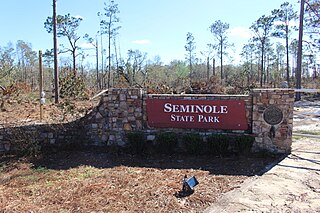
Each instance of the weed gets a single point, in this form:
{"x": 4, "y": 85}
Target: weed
{"x": 166, "y": 142}
{"x": 244, "y": 143}
{"x": 25, "y": 142}
{"x": 41, "y": 169}
{"x": 137, "y": 142}
{"x": 193, "y": 143}
{"x": 218, "y": 144}
{"x": 86, "y": 172}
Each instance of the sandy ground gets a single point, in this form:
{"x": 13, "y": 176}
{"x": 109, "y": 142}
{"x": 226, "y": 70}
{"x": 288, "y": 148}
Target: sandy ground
{"x": 306, "y": 116}
{"x": 293, "y": 185}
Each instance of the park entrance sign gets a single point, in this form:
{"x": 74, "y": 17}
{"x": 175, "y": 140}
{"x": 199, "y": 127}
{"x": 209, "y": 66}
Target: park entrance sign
{"x": 198, "y": 114}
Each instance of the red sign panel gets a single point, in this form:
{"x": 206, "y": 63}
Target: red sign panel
{"x": 197, "y": 114}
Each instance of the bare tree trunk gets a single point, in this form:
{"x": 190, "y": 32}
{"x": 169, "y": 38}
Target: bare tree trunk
{"x": 214, "y": 67}
{"x": 97, "y": 64}
{"x": 221, "y": 62}
{"x": 102, "y": 62}
{"x": 109, "y": 52}
{"x": 55, "y": 48}
{"x": 116, "y": 56}
{"x": 74, "y": 62}
{"x": 287, "y": 48}
{"x": 262, "y": 65}
{"x": 299, "y": 56}
{"x": 208, "y": 68}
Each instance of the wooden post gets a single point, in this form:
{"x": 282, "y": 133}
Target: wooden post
{"x": 214, "y": 67}
{"x": 40, "y": 84}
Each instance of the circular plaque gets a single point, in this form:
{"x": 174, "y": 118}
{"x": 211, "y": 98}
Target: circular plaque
{"x": 273, "y": 115}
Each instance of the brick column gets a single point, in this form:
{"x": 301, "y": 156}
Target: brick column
{"x": 275, "y": 138}
{"x": 125, "y": 113}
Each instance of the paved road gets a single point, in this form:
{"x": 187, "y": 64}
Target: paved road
{"x": 293, "y": 185}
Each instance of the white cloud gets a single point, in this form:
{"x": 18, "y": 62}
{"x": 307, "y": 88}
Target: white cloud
{"x": 78, "y": 16}
{"x": 142, "y": 42}
{"x": 242, "y": 32}
{"x": 86, "y": 46}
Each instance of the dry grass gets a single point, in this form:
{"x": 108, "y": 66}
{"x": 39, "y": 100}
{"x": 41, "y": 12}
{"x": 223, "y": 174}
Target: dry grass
{"x": 117, "y": 186}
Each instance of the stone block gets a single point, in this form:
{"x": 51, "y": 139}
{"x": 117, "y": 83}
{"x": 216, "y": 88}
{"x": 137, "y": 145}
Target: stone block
{"x": 151, "y": 137}
{"x": 271, "y": 101}
{"x": 139, "y": 125}
{"x": 104, "y": 138}
{"x": 98, "y": 116}
{"x": 43, "y": 135}
{"x": 256, "y": 128}
{"x": 289, "y": 100}
{"x": 127, "y": 127}
{"x": 112, "y": 137}
{"x": 258, "y": 140}
{"x": 131, "y": 118}
{"x": 7, "y": 146}
{"x": 123, "y": 97}
{"x": 50, "y": 135}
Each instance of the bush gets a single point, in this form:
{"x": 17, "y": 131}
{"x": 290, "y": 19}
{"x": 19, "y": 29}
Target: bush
{"x": 137, "y": 142}
{"x": 166, "y": 142}
{"x": 244, "y": 144}
{"x": 72, "y": 85}
{"x": 193, "y": 143}
{"x": 218, "y": 144}
{"x": 25, "y": 142}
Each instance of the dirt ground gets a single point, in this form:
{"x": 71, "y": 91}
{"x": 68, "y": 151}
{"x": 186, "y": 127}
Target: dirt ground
{"x": 293, "y": 185}
{"x": 86, "y": 181}
{"x": 26, "y": 110}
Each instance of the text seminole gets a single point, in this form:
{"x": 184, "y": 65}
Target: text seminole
{"x": 208, "y": 109}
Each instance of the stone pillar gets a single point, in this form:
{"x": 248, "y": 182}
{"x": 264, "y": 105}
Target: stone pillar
{"x": 125, "y": 113}
{"x": 272, "y": 119}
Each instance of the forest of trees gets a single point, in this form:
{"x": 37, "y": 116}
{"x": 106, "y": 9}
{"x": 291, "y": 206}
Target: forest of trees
{"x": 268, "y": 58}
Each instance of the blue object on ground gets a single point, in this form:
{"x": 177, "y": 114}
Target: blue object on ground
{"x": 192, "y": 182}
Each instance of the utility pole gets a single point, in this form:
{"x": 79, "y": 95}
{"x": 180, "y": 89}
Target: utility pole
{"x": 97, "y": 63}
{"x": 55, "y": 53}
{"x": 299, "y": 57}
{"x": 41, "y": 93}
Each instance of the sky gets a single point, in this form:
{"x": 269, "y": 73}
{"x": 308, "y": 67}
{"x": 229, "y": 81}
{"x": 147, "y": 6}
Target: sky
{"x": 158, "y": 27}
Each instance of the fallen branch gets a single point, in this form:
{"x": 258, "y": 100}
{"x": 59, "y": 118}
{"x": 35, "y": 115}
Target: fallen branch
{"x": 99, "y": 94}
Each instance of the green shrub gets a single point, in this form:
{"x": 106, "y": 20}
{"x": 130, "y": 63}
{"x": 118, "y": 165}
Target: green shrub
{"x": 166, "y": 142}
{"x": 244, "y": 143}
{"x": 193, "y": 143}
{"x": 137, "y": 142}
{"x": 25, "y": 142}
{"x": 72, "y": 85}
{"x": 217, "y": 144}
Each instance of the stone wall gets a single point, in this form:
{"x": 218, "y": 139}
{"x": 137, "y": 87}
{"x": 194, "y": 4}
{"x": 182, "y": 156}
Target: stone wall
{"x": 124, "y": 110}
{"x": 277, "y": 136}
{"x": 35, "y": 137}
